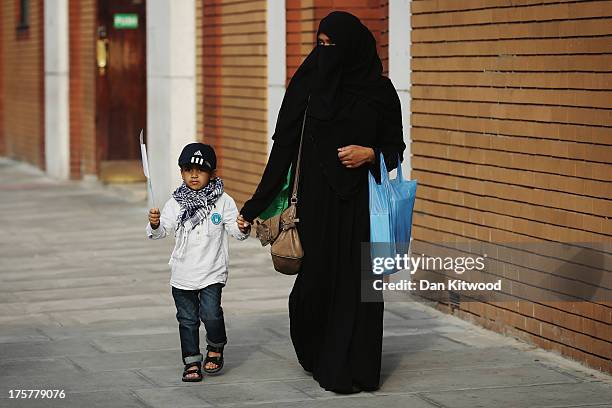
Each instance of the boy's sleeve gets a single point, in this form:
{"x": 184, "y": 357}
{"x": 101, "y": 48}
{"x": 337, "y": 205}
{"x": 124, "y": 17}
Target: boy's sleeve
{"x": 230, "y": 214}
{"x": 167, "y": 222}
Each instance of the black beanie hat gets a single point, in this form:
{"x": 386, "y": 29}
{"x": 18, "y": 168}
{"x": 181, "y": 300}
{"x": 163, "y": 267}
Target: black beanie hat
{"x": 200, "y": 154}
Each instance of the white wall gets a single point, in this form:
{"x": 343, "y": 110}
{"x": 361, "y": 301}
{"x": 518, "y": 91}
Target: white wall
{"x": 171, "y": 89}
{"x": 399, "y": 64}
{"x": 57, "y": 139}
{"x": 277, "y": 61}
{"x": 399, "y": 72}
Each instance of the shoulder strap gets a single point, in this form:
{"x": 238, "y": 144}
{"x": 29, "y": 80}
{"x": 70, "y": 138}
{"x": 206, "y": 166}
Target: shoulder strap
{"x": 296, "y": 178}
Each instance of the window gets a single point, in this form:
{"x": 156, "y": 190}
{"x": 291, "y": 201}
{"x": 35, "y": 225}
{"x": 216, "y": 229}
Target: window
{"x": 24, "y": 15}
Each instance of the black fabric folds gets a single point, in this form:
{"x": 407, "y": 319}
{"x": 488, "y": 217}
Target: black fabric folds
{"x": 351, "y": 66}
{"x": 335, "y": 335}
{"x": 344, "y": 82}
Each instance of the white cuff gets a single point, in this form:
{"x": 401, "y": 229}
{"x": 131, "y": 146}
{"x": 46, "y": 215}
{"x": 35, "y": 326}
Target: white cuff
{"x": 154, "y": 233}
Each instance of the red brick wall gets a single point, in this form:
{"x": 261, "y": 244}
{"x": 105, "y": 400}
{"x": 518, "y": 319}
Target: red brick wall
{"x": 82, "y": 37}
{"x": 23, "y": 84}
{"x": 2, "y": 59}
{"x": 303, "y": 18}
{"x": 200, "y": 69}
{"x": 512, "y": 142}
{"x": 235, "y": 90}
{"x": 383, "y": 36}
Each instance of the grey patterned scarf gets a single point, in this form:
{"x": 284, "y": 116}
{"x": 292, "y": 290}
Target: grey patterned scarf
{"x": 195, "y": 208}
{"x": 197, "y": 205}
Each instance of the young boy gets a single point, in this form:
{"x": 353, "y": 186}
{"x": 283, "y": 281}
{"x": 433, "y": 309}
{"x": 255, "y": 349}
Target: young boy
{"x": 201, "y": 215}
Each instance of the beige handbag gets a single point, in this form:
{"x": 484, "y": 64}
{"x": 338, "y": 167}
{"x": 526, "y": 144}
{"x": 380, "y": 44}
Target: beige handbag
{"x": 281, "y": 230}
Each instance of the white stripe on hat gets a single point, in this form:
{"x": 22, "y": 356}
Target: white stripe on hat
{"x": 193, "y": 159}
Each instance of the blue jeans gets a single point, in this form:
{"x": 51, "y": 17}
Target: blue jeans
{"x": 193, "y": 305}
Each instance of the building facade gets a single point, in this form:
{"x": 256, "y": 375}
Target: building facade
{"x": 506, "y": 116}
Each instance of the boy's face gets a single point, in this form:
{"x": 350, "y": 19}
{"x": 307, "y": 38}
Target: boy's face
{"x": 195, "y": 177}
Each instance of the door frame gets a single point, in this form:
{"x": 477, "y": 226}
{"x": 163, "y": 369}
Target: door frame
{"x": 103, "y": 82}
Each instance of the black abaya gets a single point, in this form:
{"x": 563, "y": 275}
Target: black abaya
{"x": 336, "y": 336}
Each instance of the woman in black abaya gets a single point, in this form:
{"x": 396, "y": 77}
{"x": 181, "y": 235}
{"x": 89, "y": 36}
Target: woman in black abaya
{"x": 353, "y": 116}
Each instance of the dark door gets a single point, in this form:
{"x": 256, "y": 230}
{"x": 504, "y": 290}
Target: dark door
{"x": 121, "y": 86}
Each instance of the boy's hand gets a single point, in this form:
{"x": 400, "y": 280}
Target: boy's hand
{"x": 154, "y": 215}
{"x": 243, "y": 225}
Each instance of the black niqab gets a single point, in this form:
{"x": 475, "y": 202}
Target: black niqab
{"x": 331, "y": 74}
{"x": 351, "y": 65}
{"x": 345, "y": 83}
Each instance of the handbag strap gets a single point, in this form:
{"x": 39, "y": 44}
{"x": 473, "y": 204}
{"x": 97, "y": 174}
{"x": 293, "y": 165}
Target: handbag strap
{"x": 296, "y": 178}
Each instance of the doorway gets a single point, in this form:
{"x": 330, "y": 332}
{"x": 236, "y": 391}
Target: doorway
{"x": 121, "y": 88}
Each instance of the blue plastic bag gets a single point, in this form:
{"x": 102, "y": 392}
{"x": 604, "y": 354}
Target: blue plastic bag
{"x": 402, "y": 206}
{"x": 380, "y": 207}
{"x": 382, "y": 238}
{"x": 391, "y": 207}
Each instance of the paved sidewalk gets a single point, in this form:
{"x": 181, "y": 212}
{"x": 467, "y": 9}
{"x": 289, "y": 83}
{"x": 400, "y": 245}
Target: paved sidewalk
{"x": 85, "y": 307}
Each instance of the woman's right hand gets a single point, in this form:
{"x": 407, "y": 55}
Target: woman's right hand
{"x": 154, "y": 216}
{"x": 353, "y": 156}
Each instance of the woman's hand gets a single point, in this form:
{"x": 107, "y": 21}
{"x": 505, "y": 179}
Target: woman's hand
{"x": 353, "y": 156}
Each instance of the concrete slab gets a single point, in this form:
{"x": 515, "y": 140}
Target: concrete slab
{"x": 99, "y": 399}
{"x": 42, "y": 349}
{"x": 170, "y": 340}
{"x": 361, "y": 401}
{"x": 27, "y": 368}
{"x": 22, "y": 334}
{"x": 92, "y": 314}
{"x": 69, "y": 304}
{"x": 242, "y": 394}
{"x": 248, "y": 371}
{"x": 110, "y": 329}
{"x": 415, "y": 342}
{"x": 171, "y": 358}
{"x": 170, "y": 397}
{"x": 452, "y": 359}
{"x": 463, "y": 378}
{"x": 77, "y": 317}
{"x": 556, "y": 395}
{"x": 73, "y": 381}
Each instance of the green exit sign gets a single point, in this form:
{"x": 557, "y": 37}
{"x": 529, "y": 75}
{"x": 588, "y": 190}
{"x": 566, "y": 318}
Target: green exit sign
{"x": 124, "y": 20}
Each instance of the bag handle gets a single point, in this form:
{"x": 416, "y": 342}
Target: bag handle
{"x": 296, "y": 177}
{"x": 384, "y": 174}
{"x": 400, "y": 173}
